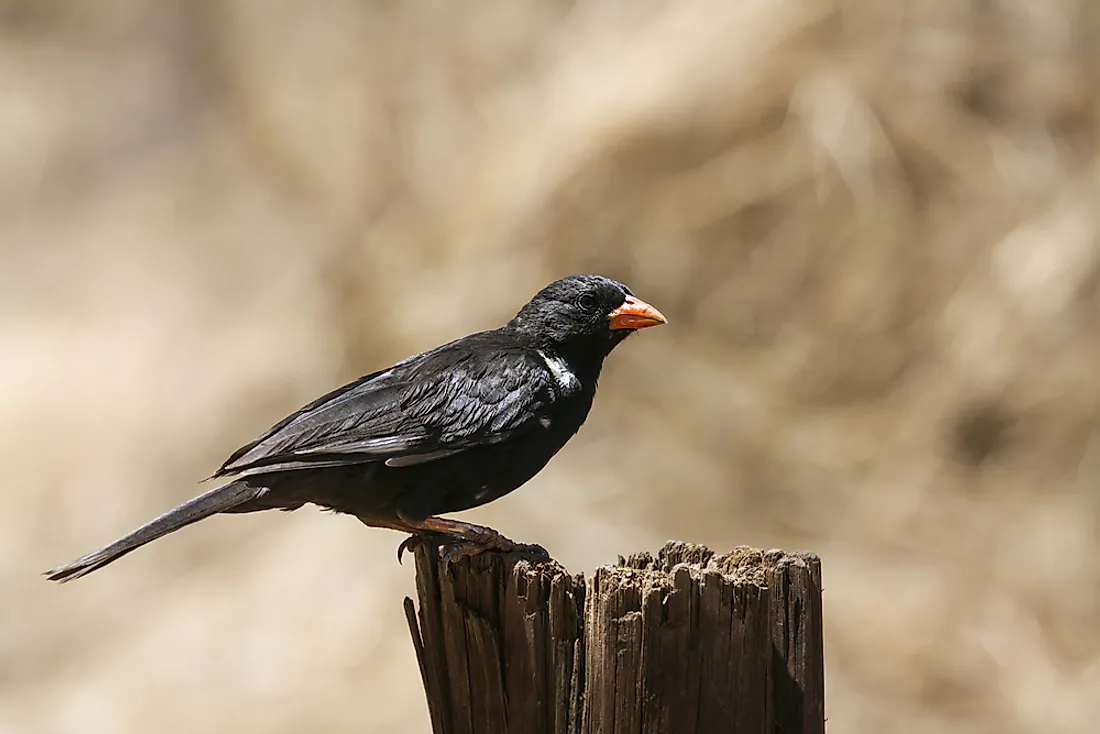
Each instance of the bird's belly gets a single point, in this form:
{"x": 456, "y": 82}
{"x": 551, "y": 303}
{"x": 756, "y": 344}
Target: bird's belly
{"x": 472, "y": 478}
{"x": 468, "y": 479}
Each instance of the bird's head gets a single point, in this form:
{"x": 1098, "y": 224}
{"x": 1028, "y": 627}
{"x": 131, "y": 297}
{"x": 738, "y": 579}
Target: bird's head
{"x": 583, "y": 316}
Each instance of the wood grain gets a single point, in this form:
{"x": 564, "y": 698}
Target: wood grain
{"x": 684, "y": 642}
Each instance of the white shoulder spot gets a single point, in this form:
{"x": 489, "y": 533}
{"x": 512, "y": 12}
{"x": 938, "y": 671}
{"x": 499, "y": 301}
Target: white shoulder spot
{"x": 563, "y": 376}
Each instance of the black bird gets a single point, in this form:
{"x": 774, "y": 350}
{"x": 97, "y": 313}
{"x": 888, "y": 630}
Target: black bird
{"x": 449, "y": 429}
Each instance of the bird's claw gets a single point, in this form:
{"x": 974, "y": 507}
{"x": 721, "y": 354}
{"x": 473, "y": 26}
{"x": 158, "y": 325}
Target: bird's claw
{"x": 408, "y": 544}
{"x": 412, "y": 542}
{"x": 532, "y": 551}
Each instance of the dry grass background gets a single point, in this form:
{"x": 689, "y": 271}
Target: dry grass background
{"x": 874, "y": 228}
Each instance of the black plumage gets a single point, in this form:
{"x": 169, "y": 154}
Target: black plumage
{"x": 446, "y": 430}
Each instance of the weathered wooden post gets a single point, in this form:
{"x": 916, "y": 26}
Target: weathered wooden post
{"x": 682, "y": 643}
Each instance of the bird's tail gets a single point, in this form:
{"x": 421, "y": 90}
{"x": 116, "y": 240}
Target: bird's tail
{"x": 221, "y": 499}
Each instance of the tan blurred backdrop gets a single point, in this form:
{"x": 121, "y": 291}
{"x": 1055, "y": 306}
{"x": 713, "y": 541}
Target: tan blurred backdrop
{"x": 873, "y": 226}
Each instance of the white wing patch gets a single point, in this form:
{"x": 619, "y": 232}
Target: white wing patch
{"x": 567, "y": 382}
{"x": 414, "y": 459}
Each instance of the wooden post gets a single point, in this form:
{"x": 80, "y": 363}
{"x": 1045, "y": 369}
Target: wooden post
{"x": 682, "y": 643}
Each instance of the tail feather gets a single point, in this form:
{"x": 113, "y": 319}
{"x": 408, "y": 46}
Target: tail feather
{"x": 221, "y": 499}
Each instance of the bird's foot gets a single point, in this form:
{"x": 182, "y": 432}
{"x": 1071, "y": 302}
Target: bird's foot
{"x": 486, "y": 539}
{"x": 454, "y": 547}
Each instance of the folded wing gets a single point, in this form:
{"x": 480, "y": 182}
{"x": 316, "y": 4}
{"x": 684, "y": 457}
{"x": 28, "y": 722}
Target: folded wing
{"x": 435, "y": 405}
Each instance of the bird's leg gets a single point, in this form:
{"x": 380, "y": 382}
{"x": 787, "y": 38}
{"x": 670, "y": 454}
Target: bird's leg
{"x": 457, "y": 539}
{"x": 460, "y": 539}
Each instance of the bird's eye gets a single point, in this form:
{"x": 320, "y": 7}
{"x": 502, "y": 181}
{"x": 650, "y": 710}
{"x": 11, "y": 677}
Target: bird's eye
{"x": 587, "y": 302}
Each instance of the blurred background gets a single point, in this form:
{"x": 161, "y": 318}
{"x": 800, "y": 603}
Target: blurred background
{"x": 874, "y": 228}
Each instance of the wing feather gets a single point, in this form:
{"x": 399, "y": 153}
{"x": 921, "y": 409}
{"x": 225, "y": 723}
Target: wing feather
{"x": 423, "y": 409}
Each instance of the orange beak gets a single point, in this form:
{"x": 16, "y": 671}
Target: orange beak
{"x": 635, "y": 314}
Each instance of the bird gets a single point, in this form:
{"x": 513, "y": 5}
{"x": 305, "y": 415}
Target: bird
{"x": 443, "y": 431}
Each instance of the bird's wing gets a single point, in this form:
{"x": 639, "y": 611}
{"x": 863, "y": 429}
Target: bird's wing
{"x": 459, "y": 396}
